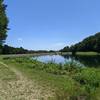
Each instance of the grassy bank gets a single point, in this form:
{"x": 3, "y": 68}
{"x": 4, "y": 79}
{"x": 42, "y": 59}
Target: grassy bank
{"x": 68, "y": 81}
{"x": 26, "y": 55}
{"x": 87, "y": 53}
{"x": 81, "y": 53}
{"x": 53, "y": 53}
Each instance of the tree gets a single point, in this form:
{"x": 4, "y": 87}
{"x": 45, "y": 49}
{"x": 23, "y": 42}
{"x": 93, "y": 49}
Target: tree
{"x": 73, "y": 49}
{"x": 65, "y": 49}
{"x": 3, "y": 22}
{"x": 91, "y": 43}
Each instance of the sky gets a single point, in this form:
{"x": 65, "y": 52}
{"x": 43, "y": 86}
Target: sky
{"x": 51, "y": 24}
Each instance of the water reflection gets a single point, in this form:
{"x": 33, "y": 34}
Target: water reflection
{"x": 89, "y": 61}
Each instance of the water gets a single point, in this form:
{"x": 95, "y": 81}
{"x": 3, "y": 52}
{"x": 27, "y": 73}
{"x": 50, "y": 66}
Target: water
{"x": 88, "y": 61}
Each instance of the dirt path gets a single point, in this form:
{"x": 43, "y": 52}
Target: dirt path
{"x": 22, "y": 88}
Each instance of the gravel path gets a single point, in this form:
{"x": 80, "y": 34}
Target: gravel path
{"x": 22, "y": 88}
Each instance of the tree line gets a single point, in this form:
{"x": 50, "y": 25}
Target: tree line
{"x": 12, "y": 50}
{"x": 91, "y": 43}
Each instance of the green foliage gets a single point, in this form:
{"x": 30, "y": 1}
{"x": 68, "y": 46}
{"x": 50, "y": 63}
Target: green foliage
{"x": 6, "y": 74}
{"x": 91, "y": 43}
{"x": 3, "y": 22}
{"x": 89, "y": 77}
{"x": 65, "y": 49}
{"x": 11, "y": 50}
{"x": 6, "y": 49}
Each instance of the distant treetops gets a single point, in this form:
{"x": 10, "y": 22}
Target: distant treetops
{"x": 3, "y": 22}
{"x": 91, "y": 43}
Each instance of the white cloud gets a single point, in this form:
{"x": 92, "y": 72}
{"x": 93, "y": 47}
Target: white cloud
{"x": 20, "y": 39}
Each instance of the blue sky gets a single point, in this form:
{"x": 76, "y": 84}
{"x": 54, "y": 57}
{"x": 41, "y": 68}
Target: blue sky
{"x": 51, "y": 24}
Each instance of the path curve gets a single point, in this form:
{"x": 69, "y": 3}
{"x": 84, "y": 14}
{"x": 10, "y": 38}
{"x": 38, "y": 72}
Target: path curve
{"x": 23, "y": 88}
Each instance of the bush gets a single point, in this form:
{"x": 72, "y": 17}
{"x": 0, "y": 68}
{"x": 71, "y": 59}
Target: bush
{"x": 89, "y": 76}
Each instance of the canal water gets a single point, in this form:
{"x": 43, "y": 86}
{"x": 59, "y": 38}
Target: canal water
{"x": 88, "y": 61}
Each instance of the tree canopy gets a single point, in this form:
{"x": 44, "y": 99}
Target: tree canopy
{"x": 3, "y": 22}
{"x": 91, "y": 43}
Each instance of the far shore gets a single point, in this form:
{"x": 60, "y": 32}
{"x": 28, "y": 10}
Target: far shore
{"x": 53, "y": 53}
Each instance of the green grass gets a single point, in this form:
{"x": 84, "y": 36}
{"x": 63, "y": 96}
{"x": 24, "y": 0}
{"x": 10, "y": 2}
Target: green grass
{"x": 89, "y": 78}
{"x": 81, "y": 53}
{"x": 6, "y": 74}
{"x": 68, "y": 81}
{"x": 87, "y": 53}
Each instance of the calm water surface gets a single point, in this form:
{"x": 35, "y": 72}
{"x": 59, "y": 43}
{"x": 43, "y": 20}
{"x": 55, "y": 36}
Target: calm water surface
{"x": 89, "y": 61}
